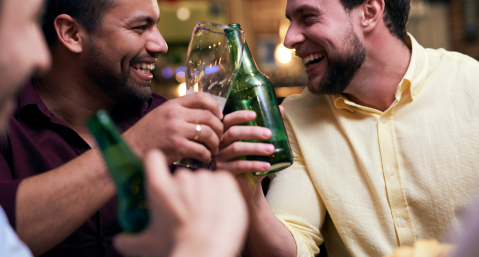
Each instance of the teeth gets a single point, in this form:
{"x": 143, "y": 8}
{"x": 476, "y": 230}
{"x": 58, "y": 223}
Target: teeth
{"x": 144, "y": 66}
{"x": 312, "y": 57}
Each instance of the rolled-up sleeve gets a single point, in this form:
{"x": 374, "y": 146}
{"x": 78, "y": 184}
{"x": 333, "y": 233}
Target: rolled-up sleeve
{"x": 8, "y": 187}
{"x": 297, "y": 204}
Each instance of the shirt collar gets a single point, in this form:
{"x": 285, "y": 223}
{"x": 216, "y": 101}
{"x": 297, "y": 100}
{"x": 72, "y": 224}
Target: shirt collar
{"x": 412, "y": 80}
{"x": 28, "y": 96}
{"x": 126, "y": 113}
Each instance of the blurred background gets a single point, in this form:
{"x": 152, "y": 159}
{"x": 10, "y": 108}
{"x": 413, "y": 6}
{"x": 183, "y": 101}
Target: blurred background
{"x": 449, "y": 24}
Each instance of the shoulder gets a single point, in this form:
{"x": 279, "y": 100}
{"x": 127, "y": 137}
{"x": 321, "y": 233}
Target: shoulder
{"x": 450, "y": 57}
{"x": 448, "y": 63}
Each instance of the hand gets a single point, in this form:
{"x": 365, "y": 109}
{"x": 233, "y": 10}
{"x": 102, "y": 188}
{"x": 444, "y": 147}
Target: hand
{"x": 196, "y": 214}
{"x": 171, "y": 128}
{"x": 231, "y": 148}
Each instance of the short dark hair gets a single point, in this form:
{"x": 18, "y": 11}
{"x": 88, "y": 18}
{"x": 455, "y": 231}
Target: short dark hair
{"x": 396, "y": 14}
{"x": 87, "y": 13}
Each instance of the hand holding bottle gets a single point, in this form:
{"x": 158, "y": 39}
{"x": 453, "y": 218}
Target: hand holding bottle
{"x": 192, "y": 214}
{"x": 171, "y": 128}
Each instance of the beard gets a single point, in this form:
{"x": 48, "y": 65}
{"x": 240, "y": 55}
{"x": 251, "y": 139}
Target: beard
{"x": 342, "y": 67}
{"x": 120, "y": 87}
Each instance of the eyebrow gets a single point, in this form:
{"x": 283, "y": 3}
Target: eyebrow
{"x": 143, "y": 18}
{"x": 303, "y": 8}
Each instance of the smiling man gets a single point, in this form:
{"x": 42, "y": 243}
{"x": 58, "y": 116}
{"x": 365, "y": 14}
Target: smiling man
{"x": 384, "y": 137}
{"x": 55, "y": 189}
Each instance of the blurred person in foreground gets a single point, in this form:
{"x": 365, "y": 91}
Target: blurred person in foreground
{"x": 184, "y": 207}
{"x": 384, "y": 137}
{"x": 55, "y": 188}
{"x": 23, "y": 52}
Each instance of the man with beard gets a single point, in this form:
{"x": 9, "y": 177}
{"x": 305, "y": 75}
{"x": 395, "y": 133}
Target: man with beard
{"x": 55, "y": 188}
{"x": 384, "y": 137}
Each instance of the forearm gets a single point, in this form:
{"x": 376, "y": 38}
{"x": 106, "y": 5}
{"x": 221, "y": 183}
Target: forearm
{"x": 52, "y": 205}
{"x": 267, "y": 236}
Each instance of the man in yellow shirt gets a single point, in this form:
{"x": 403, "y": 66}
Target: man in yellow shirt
{"x": 384, "y": 137}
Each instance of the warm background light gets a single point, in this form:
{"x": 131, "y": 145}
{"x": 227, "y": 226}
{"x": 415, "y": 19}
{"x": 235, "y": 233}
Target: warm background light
{"x": 182, "y": 89}
{"x": 282, "y": 54}
{"x": 183, "y": 14}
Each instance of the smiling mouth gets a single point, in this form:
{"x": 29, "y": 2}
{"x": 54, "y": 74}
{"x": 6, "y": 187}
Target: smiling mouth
{"x": 312, "y": 59}
{"x": 143, "y": 67}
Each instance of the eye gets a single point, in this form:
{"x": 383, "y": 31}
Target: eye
{"x": 140, "y": 27}
{"x": 309, "y": 18}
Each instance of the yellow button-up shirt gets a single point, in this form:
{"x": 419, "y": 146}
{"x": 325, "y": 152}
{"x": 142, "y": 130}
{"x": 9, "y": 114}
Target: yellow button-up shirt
{"x": 366, "y": 181}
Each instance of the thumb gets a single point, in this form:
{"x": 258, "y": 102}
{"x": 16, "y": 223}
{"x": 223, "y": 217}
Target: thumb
{"x": 157, "y": 174}
{"x": 130, "y": 245}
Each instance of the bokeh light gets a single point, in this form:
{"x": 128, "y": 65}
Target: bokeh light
{"x": 182, "y": 89}
{"x": 167, "y": 72}
{"x": 283, "y": 54}
{"x": 183, "y": 14}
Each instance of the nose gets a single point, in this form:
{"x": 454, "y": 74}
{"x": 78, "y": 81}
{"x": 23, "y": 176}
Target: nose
{"x": 41, "y": 59}
{"x": 156, "y": 44}
{"x": 293, "y": 36}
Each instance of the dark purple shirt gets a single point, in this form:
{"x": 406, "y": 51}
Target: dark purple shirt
{"x": 38, "y": 142}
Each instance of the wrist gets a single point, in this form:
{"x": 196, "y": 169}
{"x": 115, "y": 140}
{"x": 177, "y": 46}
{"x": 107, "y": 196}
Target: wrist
{"x": 203, "y": 245}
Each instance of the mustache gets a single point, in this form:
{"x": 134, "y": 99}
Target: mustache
{"x": 139, "y": 58}
{"x": 308, "y": 49}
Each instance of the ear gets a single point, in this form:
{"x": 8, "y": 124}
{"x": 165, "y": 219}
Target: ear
{"x": 69, "y": 32}
{"x": 373, "y": 14}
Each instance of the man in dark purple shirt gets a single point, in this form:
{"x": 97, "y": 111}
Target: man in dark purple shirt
{"x": 54, "y": 186}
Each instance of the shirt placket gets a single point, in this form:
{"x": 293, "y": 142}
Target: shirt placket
{"x": 392, "y": 177}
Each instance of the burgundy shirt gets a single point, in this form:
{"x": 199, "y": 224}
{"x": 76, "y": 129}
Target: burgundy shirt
{"x": 38, "y": 142}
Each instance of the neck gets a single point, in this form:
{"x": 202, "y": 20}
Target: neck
{"x": 375, "y": 83}
{"x": 70, "y": 96}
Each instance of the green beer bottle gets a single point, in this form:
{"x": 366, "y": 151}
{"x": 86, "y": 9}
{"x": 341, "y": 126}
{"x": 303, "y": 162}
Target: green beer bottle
{"x": 252, "y": 90}
{"x": 125, "y": 169}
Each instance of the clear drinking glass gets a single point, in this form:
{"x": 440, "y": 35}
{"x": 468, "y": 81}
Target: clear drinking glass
{"x": 213, "y": 60}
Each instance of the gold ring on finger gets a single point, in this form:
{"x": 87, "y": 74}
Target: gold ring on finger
{"x": 197, "y": 132}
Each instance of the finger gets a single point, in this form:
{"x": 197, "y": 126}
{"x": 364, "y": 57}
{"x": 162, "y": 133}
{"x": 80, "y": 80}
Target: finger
{"x": 206, "y": 118}
{"x": 238, "y": 149}
{"x": 238, "y": 117}
{"x": 201, "y": 100}
{"x": 281, "y": 109}
{"x": 158, "y": 177}
{"x": 187, "y": 183}
{"x": 129, "y": 245}
{"x": 236, "y": 133}
{"x": 194, "y": 150}
{"x": 207, "y": 137}
{"x": 157, "y": 172}
{"x": 243, "y": 166}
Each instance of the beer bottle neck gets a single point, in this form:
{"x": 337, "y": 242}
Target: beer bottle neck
{"x": 247, "y": 64}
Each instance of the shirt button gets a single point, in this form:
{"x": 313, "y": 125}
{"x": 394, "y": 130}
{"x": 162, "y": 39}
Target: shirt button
{"x": 103, "y": 238}
{"x": 384, "y": 120}
{"x": 403, "y": 223}
{"x": 392, "y": 171}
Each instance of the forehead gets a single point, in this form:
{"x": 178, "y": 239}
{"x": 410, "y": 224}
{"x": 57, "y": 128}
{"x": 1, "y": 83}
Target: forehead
{"x": 297, "y": 7}
{"x": 294, "y": 7}
{"x": 125, "y": 10}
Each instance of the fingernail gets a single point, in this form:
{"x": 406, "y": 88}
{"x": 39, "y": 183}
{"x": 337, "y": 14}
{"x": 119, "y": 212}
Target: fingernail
{"x": 268, "y": 148}
{"x": 250, "y": 115}
{"x": 266, "y": 166}
{"x": 266, "y": 133}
